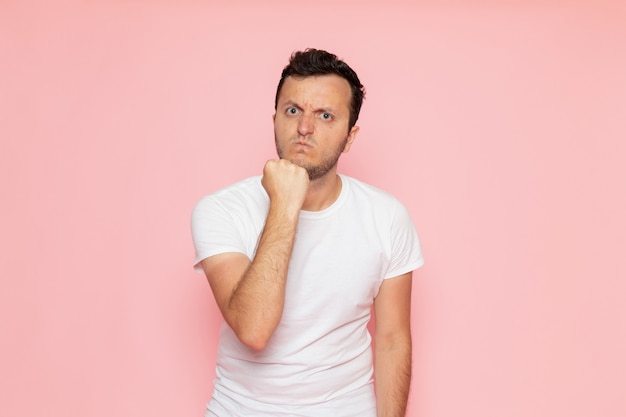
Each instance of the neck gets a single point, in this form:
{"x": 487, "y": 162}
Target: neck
{"x": 323, "y": 192}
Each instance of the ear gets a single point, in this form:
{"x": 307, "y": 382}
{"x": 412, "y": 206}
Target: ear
{"x": 351, "y": 137}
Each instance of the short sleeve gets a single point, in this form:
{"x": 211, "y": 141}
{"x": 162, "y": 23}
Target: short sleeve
{"x": 214, "y": 231}
{"x": 406, "y": 252}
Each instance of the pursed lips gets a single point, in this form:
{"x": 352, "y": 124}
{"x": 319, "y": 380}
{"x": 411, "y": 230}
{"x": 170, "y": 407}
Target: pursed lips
{"x": 304, "y": 143}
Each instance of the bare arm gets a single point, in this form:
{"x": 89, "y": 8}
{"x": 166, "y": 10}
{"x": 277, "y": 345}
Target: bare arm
{"x": 251, "y": 295}
{"x": 392, "y": 368}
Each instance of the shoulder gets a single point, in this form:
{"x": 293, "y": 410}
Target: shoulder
{"x": 247, "y": 188}
{"x": 243, "y": 193}
{"x": 376, "y": 204}
{"x": 368, "y": 193}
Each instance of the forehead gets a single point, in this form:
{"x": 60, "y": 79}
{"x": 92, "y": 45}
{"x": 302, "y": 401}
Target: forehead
{"x": 317, "y": 91}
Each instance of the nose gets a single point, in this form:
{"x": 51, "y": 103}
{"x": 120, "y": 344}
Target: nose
{"x": 306, "y": 125}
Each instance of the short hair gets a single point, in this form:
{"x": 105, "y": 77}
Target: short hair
{"x": 312, "y": 62}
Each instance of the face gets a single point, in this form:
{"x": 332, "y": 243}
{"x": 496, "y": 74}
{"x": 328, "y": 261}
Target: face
{"x": 311, "y": 123}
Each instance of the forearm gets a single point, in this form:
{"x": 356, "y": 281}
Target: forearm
{"x": 257, "y": 300}
{"x": 392, "y": 373}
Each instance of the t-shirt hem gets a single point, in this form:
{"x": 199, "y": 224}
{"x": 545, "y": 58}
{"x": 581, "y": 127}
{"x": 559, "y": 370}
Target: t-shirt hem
{"x": 201, "y": 257}
{"x": 410, "y": 267}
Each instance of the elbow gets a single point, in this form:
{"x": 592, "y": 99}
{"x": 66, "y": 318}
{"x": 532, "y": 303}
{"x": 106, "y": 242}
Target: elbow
{"x": 253, "y": 332}
{"x": 253, "y": 340}
{"x": 393, "y": 342}
{"x": 254, "y": 344}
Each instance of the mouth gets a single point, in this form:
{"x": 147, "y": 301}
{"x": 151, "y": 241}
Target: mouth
{"x": 301, "y": 146}
{"x": 304, "y": 142}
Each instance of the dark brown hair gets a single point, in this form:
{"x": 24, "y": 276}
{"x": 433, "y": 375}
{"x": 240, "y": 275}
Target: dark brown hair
{"x": 311, "y": 62}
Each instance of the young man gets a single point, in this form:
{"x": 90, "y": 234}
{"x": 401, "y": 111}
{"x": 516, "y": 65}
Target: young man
{"x": 296, "y": 258}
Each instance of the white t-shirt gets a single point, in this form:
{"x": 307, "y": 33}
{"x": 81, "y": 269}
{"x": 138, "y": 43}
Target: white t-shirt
{"x": 319, "y": 357}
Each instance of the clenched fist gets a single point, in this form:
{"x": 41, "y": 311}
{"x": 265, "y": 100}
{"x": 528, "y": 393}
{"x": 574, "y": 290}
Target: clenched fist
{"x": 286, "y": 184}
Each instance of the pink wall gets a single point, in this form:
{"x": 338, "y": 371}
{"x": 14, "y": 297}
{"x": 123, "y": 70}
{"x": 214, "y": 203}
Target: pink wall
{"x": 501, "y": 127}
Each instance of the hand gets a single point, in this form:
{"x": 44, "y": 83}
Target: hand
{"x": 286, "y": 183}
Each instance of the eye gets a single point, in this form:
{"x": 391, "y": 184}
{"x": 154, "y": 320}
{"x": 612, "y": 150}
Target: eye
{"x": 327, "y": 116}
{"x": 292, "y": 110}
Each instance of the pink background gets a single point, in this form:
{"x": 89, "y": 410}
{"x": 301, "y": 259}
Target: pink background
{"x": 501, "y": 126}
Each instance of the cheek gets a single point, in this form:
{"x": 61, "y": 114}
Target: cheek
{"x": 280, "y": 132}
{"x": 282, "y": 124}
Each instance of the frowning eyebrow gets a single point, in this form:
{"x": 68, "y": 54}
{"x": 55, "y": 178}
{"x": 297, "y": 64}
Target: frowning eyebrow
{"x": 291, "y": 103}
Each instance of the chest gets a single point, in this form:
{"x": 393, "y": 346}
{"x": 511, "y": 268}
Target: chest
{"x": 336, "y": 262}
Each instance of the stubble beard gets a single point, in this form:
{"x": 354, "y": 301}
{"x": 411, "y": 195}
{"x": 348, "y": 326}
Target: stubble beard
{"x": 321, "y": 169}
